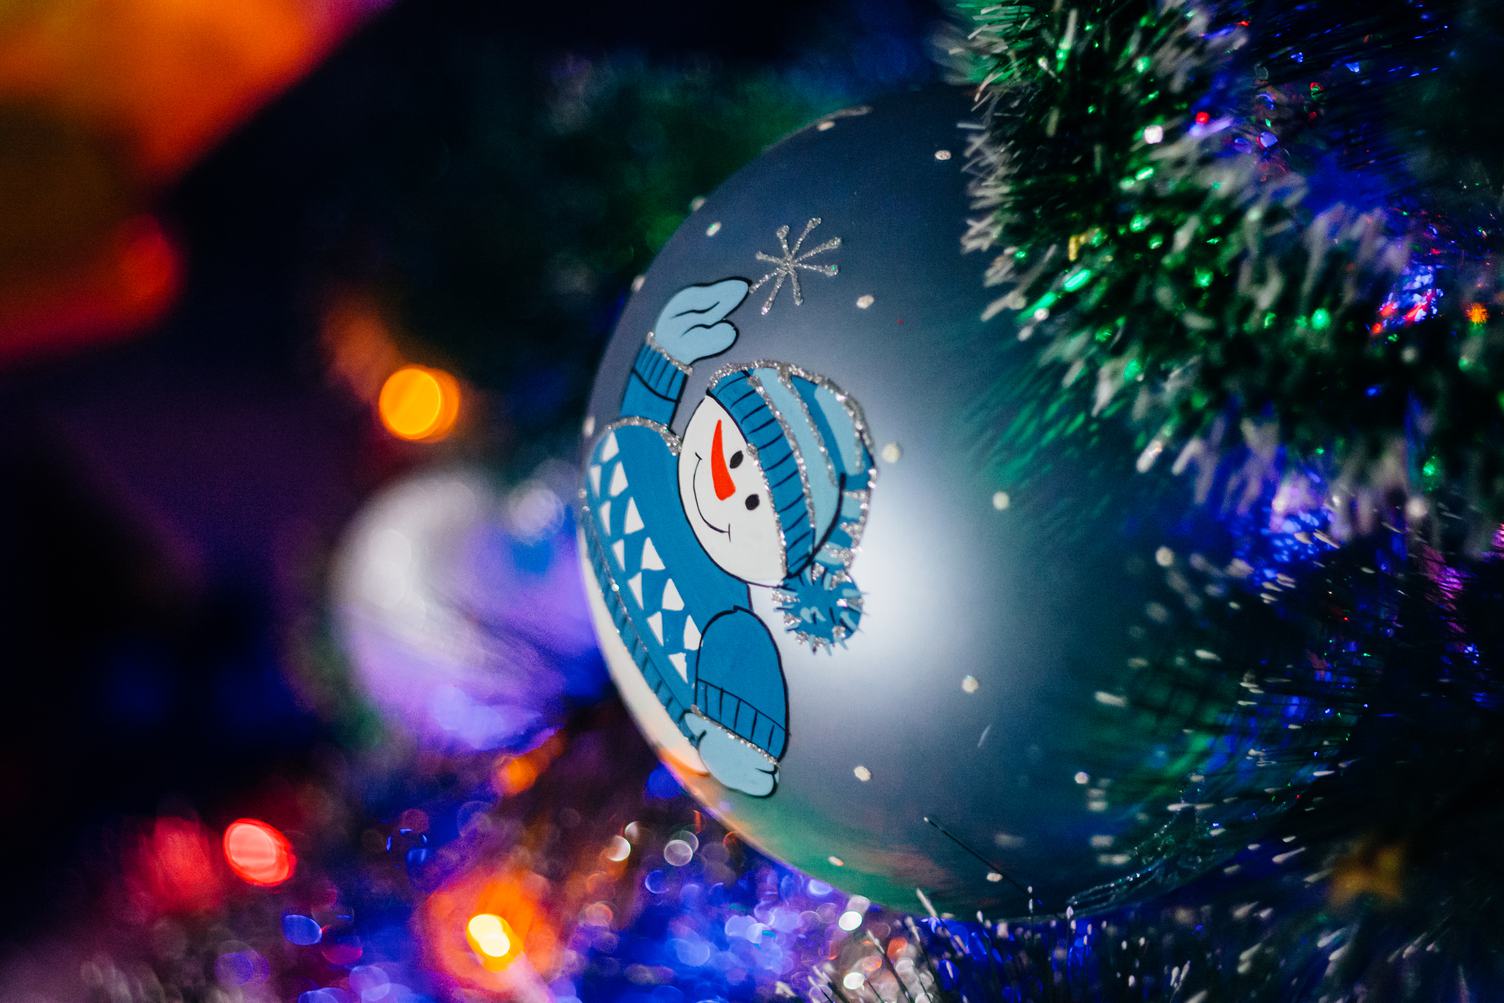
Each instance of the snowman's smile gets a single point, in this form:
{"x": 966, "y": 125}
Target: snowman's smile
{"x": 695, "y": 491}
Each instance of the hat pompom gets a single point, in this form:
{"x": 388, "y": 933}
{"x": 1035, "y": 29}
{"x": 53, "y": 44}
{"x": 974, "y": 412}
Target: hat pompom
{"x": 821, "y": 607}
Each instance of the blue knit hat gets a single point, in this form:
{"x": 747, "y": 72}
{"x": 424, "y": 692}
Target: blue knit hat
{"x": 811, "y": 442}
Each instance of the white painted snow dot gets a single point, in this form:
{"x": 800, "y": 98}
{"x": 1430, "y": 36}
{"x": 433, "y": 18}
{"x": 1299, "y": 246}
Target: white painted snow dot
{"x": 1001, "y": 501}
{"x": 892, "y": 452}
{"x": 970, "y": 684}
{"x": 862, "y": 773}
{"x": 864, "y": 301}
{"x": 713, "y": 229}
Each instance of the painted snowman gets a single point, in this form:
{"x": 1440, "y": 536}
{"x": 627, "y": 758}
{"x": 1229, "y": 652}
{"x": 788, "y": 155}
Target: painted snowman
{"x": 768, "y": 487}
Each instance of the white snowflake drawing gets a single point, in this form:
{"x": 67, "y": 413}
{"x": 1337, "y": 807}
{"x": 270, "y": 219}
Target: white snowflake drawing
{"x": 794, "y": 260}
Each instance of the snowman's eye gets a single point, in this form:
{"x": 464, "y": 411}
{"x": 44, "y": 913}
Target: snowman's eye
{"x": 736, "y": 460}
{"x": 752, "y": 500}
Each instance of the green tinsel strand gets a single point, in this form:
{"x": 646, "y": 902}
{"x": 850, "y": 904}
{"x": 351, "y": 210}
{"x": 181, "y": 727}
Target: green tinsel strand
{"x": 1199, "y": 293}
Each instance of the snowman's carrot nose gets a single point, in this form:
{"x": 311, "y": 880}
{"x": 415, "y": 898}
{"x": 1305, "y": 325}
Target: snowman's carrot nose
{"x": 720, "y": 474}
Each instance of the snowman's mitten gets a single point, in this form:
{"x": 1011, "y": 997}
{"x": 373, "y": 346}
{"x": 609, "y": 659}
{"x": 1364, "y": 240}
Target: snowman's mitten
{"x": 693, "y": 326}
{"x": 733, "y": 761}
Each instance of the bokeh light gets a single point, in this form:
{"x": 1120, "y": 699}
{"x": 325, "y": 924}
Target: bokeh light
{"x": 492, "y": 939}
{"x": 489, "y": 930}
{"x": 515, "y": 774}
{"x": 458, "y": 603}
{"x": 418, "y": 403}
{"x": 258, "y": 853}
{"x": 173, "y": 869}
{"x": 126, "y": 280}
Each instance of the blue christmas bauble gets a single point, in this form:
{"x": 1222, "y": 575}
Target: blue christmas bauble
{"x": 885, "y": 594}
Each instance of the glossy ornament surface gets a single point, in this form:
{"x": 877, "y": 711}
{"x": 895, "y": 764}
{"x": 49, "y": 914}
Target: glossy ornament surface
{"x": 885, "y": 595}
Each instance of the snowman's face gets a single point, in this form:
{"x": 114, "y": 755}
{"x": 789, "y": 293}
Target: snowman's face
{"x": 725, "y": 498}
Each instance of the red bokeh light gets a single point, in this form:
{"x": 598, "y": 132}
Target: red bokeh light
{"x": 258, "y": 853}
{"x": 125, "y": 281}
{"x": 173, "y": 869}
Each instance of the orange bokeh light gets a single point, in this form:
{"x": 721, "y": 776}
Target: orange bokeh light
{"x": 117, "y": 98}
{"x": 258, "y": 853}
{"x": 489, "y": 930}
{"x": 359, "y": 343}
{"x": 419, "y": 403}
{"x": 164, "y": 77}
{"x": 515, "y": 774}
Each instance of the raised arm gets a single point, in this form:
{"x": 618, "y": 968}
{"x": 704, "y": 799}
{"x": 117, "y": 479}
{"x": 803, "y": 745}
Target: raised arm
{"x": 693, "y": 326}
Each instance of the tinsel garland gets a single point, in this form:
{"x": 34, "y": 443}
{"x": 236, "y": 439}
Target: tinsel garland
{"x": 1224, "y": 218}
{"x": 1265, "y": 236}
